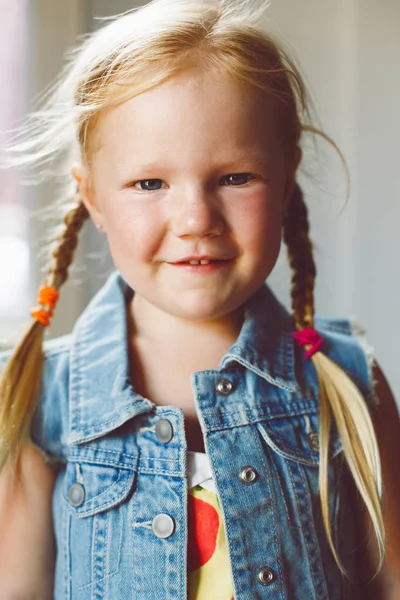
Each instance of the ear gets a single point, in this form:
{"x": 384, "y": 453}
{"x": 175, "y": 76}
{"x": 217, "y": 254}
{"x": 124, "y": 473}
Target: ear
{"x": 293, "y": 165}
{"x": 82, "y": 177}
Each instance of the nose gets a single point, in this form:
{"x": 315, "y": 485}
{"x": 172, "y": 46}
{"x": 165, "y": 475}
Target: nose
{"x": 196, "y": 214}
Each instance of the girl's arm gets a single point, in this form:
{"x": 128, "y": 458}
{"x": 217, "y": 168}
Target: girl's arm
{"x": 27, "y": 548}
{"x": 387, "y": 426}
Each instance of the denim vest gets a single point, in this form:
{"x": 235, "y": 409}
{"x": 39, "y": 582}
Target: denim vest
{"x": 120, "y": 499}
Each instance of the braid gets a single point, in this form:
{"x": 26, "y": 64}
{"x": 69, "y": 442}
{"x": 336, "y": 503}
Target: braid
{"x": 295, "y": 235}
{"x": 66, "y": 243}
{"x": 20, "y": 381}
{"x": 339, "y": 397}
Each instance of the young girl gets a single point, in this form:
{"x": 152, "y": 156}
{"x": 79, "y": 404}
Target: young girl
{"x": 195, "y": 439}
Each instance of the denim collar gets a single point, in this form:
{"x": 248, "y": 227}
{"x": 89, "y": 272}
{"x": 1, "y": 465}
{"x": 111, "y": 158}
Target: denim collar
{"x": 101, "y": 394}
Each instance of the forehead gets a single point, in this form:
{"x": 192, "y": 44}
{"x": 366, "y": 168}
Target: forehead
{"x": 191, "y": 112}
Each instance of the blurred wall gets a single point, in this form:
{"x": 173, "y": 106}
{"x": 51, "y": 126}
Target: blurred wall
{"x": 14, "y": 220}
{"x": 349, "y": 51}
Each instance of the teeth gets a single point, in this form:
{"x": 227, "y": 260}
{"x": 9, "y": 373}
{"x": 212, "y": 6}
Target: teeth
{"x": 199, "y": 262}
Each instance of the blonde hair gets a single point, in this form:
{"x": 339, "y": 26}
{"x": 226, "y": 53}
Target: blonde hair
{"x": 133, "y": 54}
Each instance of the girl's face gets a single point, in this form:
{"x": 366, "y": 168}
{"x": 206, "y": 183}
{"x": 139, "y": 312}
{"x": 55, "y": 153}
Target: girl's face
{"x": 192, "y": 170}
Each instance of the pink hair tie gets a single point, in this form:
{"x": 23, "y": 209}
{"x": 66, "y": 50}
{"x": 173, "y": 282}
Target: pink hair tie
{"x": 309, "y": 337}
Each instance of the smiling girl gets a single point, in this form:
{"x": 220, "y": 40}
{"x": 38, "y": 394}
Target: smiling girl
{"x": 195, "y": 438}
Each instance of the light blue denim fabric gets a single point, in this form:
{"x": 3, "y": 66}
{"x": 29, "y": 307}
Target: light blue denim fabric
{"x": 103, "y": 436}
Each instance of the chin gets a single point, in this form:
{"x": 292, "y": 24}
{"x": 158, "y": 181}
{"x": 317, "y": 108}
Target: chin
{"x": 201, "y": 308}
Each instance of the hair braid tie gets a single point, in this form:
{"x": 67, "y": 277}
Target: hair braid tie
{"x": 310, "y": 338}
{"x": 46, "y": 303}
{"x": 62, "y": 256}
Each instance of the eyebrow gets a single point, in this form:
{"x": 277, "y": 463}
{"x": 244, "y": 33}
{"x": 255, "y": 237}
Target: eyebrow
{"x": 220, "y": 164}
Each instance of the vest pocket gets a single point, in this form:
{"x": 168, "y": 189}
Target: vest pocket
{"x": 297, "y": 437}
{"x": 96, "y": 483}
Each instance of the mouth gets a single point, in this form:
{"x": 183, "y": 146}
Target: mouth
{"x": 199, "y": 260}
{"x": 201, "y": 264}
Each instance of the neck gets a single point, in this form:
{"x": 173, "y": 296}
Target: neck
{"x": 153, "y": 325}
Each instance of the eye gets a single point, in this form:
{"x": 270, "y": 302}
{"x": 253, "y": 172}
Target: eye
{"x": 148, "y": 185}
{"x": 237, "y": 179}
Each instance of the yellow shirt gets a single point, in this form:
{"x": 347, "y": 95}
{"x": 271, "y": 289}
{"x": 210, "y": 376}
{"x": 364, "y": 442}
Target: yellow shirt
{"x": 208, "y": 561}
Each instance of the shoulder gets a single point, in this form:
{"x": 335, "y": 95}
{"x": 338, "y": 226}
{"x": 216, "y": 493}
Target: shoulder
{"x": 50, "y": 418}
{"x": 50, "y": 422}
{"x": 56, "y": 367}
{"x": 56, "y": 354}
{"x": 56, "y": 346}
{"x": 51, "y": 348}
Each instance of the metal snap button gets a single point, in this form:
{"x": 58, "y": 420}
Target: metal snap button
{"x": 164, "y": 431}
{"x": 313, "y": 441}
{"x": 248, "y": 475}
{"x": 76, "y": 494}
{"x": 224, "y": 387}
{"x": 163, "y": 526}
{"x": 265, "y": 576}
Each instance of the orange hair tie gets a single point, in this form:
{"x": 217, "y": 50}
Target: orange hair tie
{"x": 47, "y": 301}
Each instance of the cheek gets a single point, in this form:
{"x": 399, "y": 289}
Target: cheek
{"x": 259, "y": 230}
{"x": 134, "y": 235}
